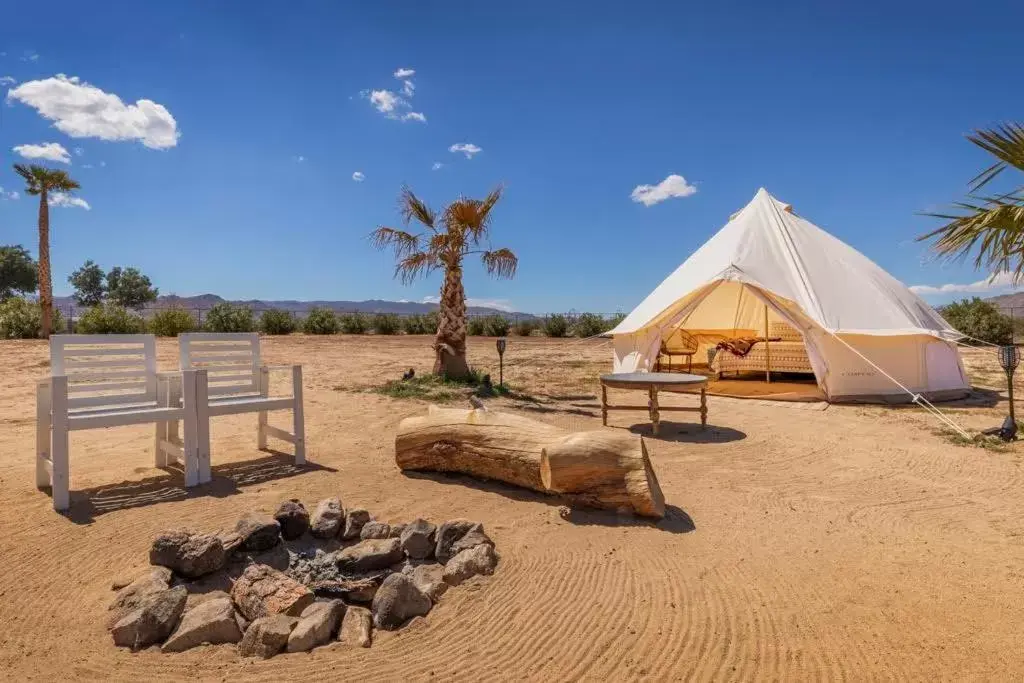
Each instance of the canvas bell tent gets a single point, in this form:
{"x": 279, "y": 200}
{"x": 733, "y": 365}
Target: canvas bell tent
{"x": 866, "y": 336}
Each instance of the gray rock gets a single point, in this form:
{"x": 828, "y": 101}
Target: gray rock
{"x": 267, "y": 636}
{"x": 429, "y": 578}
{"x": 317, "y": 625}
{"x": 328, "y": 518}
{"x": 356, "y": 627}
{"x": 212, "y": 621}
{"x": 258, "y": 532}
{"x": 369, "y": 555}
{"x": 471, "y": 539}
{"x": 188, "y": 553}
{"x": 480, "y": 559}
{"x": 293, "y": 518}
{"x": 262, "y": 591}
{"x": 154, "y": 580}
{"x": 398, "y": 600}
{"x": 375, "y": 530}
{"x": 152, "y": 621}
{"x": 419, "y": 539}
{"x": 396, "y": 530}
{"x": 354, "y": 521}
{"x": 447, "y": 535}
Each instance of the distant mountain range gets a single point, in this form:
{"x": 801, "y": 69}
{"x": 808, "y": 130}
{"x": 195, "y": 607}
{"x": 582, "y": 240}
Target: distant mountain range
{"x": 207, "y": 301}
{"x": 1005, "y": 301}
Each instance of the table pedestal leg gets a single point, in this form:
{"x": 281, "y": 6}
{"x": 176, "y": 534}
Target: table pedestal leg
{"x": 703, "y": 408}
{"x": 653, "y": 406}
{"x": 604, "y": 405}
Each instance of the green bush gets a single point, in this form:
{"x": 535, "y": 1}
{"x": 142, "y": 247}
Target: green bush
{"x": 496, "y": 326}
{"x": 354, "y": 323}
{"x": 556, "y": 325}
{"x": 589, "y": 325}
{"x": 110, "y": 319}
{"x": 172, "y": 322}
{"x": 475, "y": 327}
{"x": 387, "y": 323}
{"x": 414, "y": 324}
{"x": 276, "y": 321}
{"x": 979, "y": 319}
{"x": 524, "y": 327}
{"x": 22, "y": 319}
{"x": 321, "y": 321}
{"x": 225, "y": 317}
{"x": 614, "y": 321}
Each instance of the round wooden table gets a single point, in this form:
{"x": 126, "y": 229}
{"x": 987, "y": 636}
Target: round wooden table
{"x": 653, "y": 382}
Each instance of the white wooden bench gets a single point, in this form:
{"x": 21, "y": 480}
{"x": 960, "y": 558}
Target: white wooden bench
{"x": 235, "y": 382}
{"x": 110, "y": 381}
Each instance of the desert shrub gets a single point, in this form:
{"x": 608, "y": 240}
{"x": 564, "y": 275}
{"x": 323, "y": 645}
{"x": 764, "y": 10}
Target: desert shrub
{"x": 524, "y": 327}
{"x": 387, "y": 323}
{"x": 354, "y": 323}
{"x": 496, "y": 326}
{"x": 432, "y": 320}
{"x": 110, "y": 319}
{"x": 416, "y": 324}
{"x": 225, "y": 317}
{"x": 22, "y": 319}
{"x": 276, "y": 321}
{"x": 556, "y": 325}
{"x": 475, "y": 327}
{"x": 589, "y": 325}
{"x": 979, "y": 319}
{"x": 321, "y": 321}
{"x": 172, "y": 322}
{"x": 614, "y": 320}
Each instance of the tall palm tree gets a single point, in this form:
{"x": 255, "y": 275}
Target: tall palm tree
{"x": 991, "y": 224}
{"x": 41, "y": 181}
{"x": 460, "y": 230}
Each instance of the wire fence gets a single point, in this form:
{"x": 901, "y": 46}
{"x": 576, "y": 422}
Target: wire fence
{"x": 1016, "y": 316}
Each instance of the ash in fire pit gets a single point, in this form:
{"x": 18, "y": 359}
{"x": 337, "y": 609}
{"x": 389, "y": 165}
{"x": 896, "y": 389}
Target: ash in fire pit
{"x": 340, "y": 575}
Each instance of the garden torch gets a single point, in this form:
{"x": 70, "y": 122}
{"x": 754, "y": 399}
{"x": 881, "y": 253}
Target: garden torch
{"x": 1009, "y": 358}
{"x": 501, "y": 360}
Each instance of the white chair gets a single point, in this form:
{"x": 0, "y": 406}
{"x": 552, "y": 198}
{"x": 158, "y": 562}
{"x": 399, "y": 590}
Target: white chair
{"x": 110, "y": 381}
{"x": 235, "y": 382}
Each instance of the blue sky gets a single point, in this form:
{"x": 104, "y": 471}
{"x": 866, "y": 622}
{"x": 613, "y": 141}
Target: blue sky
{"x": 242, "y": 184}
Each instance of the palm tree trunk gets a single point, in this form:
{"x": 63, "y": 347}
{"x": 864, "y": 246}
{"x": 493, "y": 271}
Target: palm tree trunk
{"x": 450, "y": 342}
{"x": 45, "y": 282}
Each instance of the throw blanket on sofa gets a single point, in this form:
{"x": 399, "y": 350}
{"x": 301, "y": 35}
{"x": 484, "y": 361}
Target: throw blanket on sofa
{"x": 742, "y": 345}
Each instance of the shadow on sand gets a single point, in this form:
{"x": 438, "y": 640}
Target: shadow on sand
{"x": 686, "y": 432}
{"x": 228, "y": 479}
{"x": 676, "y": 520}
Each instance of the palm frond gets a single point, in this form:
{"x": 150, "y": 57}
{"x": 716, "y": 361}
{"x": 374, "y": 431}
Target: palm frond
{"x": 415, "y": 265}
{"x": 1005, "y": 143}
{"x": 471, "y": 216}
{"x": 412, "y": 207}
{"x": 991, "y": 227}
{"x": 40, "y": 178}
{"x": 403, "y": 243}
{"x": 447, "y": 245}
{"x": 500, "y": 262}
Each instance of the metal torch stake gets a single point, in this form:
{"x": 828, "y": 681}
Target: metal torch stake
{"x": 1009, "y": 385}
{"x": 501, "y": 361}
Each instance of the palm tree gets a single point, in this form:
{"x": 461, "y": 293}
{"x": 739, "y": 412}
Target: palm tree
{"x": 992, "y": 224}
{"x": 41, "y": 181}
{"x": 459, "y": 231}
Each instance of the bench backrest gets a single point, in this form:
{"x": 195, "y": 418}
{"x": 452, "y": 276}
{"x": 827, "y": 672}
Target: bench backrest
{"x": 105, "y": 369}
{"x": 231, "y": 360}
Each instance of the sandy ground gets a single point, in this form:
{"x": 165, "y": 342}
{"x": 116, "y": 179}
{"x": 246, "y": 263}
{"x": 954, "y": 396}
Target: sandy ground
{"x": 853, "y": 543}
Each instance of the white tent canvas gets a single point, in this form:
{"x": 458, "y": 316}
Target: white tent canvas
{"x": 859, "y": 324}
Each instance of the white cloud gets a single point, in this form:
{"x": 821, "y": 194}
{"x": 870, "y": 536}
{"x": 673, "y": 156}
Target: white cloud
{"x": 5, "y": 195}
{"x": 66, "y": 200}
{"x": 499, "y": 304}
{"x": 996, "y": 282}
{"x": 86, "y": 165}
{"x": 437, "y": 166}
{"x": 358, "y": 176}
{"x": 414, "y": 116}
{"x": 297, "y": 159}
{"x": 672, "y": 186}
{"x": 52, "y": 151}
{"x": 30, "y": 56}
{"x": 403, "y": 73}
{"x": 7, "y": 80}
{"x": 79, "y": 151}
{"x": 82, "y": 110}
{"x": 467, "y": 148}
{"x": 408, "y": 88}
{"x": 385, "y": 101}
{"x": 393, "y": 105}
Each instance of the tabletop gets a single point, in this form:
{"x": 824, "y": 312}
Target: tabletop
{"x": 642, "y": 379}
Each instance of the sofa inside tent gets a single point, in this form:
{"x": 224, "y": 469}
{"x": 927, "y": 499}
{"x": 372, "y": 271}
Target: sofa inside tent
{"x": 866, "y": 336}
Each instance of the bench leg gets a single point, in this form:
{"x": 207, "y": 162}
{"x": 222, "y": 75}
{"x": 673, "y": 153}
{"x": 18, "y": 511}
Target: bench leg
{"x": 703, "y": 408}
{"x": 298, "y": 418}
{"x": 160, "y": 428}
{"x": 60, "y": 445}
{"x": 43, "y": 436}
{"x": 192, "y": 441}
{"x": 261, "y": 420}
{"x": 604, "y": 405}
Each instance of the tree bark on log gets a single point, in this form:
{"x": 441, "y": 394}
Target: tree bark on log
{"x": 597, "y": 469}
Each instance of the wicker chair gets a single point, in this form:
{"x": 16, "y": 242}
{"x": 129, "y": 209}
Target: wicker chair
{"x": 683, "y": 344}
